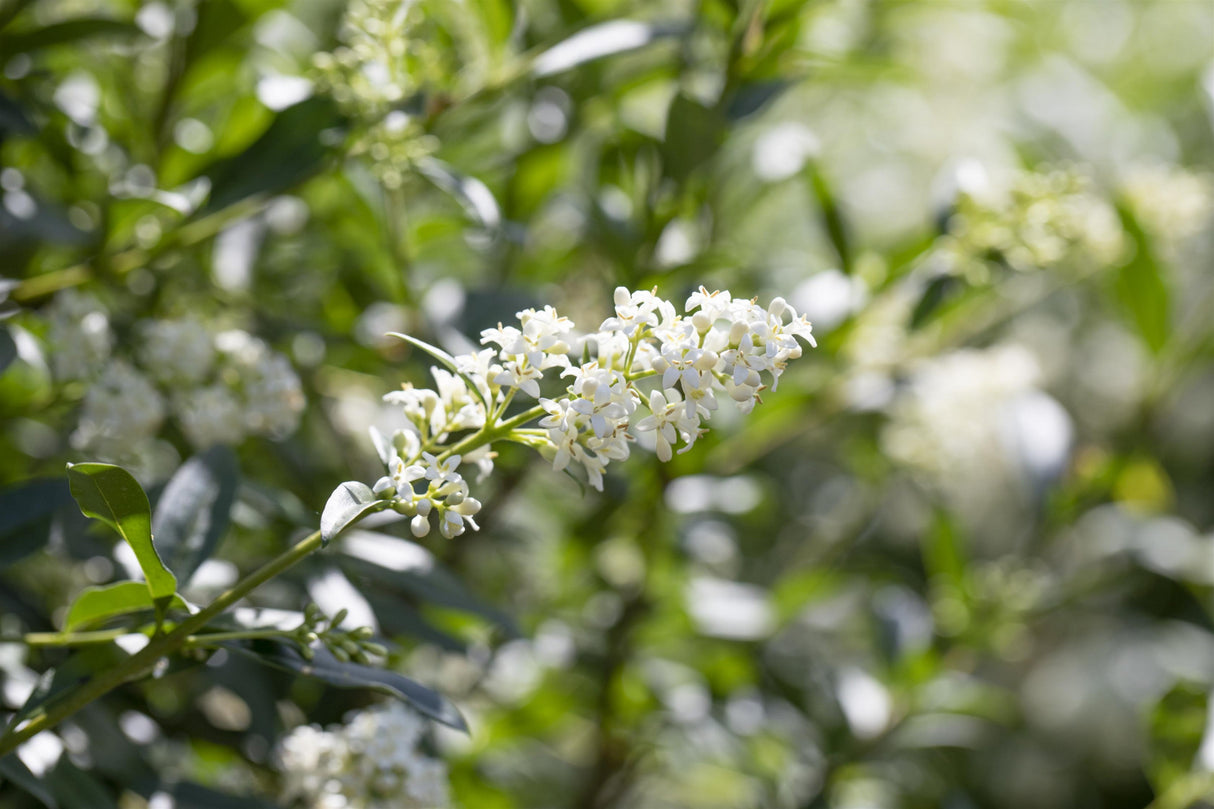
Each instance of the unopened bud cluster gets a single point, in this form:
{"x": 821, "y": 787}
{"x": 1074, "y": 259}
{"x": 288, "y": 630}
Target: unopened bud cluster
{"x": 344, "y": 644}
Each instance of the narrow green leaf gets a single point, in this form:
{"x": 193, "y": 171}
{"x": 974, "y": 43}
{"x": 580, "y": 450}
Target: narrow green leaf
{"x": 12, "y": 769}
{"x": 349, "y": 503}
{"x": 64, "y": 33}
{"x": 832, "y": 217}
{"x": 96, "y": 604}
{"x": 1142, "y": 288}
{"x": 109, "y": 493}
{"x": 192, "y": 514}
{"x": 8, "y": 349}
{"x": 448, "y": 362}
{"x": 325, "y": 667}
{"x": 473, "y": 196}
{"x": 407, "y": 566}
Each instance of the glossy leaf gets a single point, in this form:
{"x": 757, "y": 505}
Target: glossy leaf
{"x": 95, "y": 604}
{"x": 192, "y": 514}
{"x": 327, "y": 668}
{"x": 110, "y": 494}
{"x": 349, "y": 502}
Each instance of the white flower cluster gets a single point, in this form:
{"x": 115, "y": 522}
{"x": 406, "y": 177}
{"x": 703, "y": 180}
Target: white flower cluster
{"x": 78, "y": 334}
{"x": 647, "y": 369}
{"x": 1045, "y": 220}
{"x": 220, "y": 387}
{"x": 386, "y": 56}
{"x": 370, "y": 762}
{"x": 1171, "y": 203}
{"x": 975, "y": 426}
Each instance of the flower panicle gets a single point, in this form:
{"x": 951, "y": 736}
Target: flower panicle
{"x": 647, "y": 368}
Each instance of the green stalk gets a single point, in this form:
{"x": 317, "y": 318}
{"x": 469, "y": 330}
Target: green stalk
{"x": 144, "y": 660}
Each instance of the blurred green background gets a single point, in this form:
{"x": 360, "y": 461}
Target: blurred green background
{"x": 961, "y": 558}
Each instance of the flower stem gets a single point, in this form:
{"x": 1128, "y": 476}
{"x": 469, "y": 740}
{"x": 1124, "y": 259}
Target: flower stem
{"x": 68, "y": 638}
{"x": 144, "y": 660}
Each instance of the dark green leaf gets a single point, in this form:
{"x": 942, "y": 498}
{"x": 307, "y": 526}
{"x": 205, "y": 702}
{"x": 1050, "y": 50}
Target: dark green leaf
{"x": 63, "y": 33}
{"x": 77, "y": 789}
{"x": 63, "y": 679}
{"x": 12, "y": 769}
{"x": 410, "y": 567}
{"x": 349, "y": 502}
{"x": 13, "y": 119}
{"x": 832, "y": 217}
{"x": 8, "y": 349}
{"x": 194, "y": 796}
{"x": 694, "y": 133}
{"x": 1142, "y": 289}
{"x": 193, "y": 512}
{"x": 26, "y": 512}
{"x": 325, "y": 667}
{"x": 96, "y": 604}
{"x": 935, "y": 294}
{"x": 109, "y": 493}
{"x": 287, "y": 153}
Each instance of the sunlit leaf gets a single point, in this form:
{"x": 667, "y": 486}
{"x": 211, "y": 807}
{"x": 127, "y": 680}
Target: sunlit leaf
{"x": 95, "y": 604}
{"x": 110, "y": 494}
{"x": 349, "y": 502}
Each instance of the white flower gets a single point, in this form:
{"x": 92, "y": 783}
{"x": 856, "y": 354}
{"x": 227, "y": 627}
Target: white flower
{"x": 121, "y": 409}
{"x": 371, "y": 762}
{"x": 209, "y": 416}
{"x": 79, "y": 335}
{"x": 177, "y": 352}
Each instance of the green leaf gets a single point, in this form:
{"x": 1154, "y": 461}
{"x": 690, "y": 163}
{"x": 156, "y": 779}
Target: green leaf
{"x": 448, "y": 361}
{"x": 327, "y": 668}
{"x": 63, "y": 33}
{"x": 77, "y": 789}
{"x": 473, "y": 196}
{"x": 8, "y": 349}
{"x": 12, "y": 769}
{"x": 96, "y": 604}
{"x": 1142, "y": 289}
{"x": 192, "y": 514}
{"x": 26, "y": 512}
{"x": 694, "y": 133}
{"x": 410, "y": 567}
{"x": 601, "y": 40}
{"x": 1176, "y": 726}
{"x": 109, "y": 493}
{"x": 349, "y": 503}
{"x": 287, "y": 153}
{"x": 832, "y": 217}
